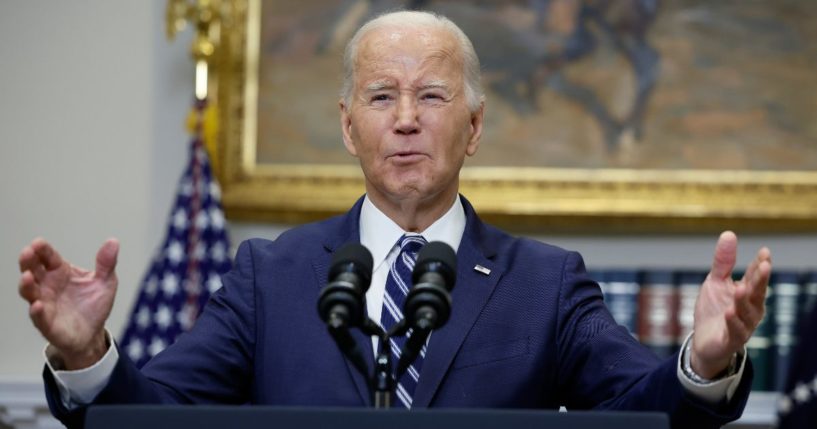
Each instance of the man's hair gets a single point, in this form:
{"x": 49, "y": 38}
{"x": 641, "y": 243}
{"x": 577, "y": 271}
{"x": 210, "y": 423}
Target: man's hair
{"x": 471, "y": 71}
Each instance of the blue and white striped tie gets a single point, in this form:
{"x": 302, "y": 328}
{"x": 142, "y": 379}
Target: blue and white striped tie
{"x": 398, "y": 284}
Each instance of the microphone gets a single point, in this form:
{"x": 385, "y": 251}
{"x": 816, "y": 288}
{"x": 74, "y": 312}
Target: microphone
{"x": 428, "y": 303}
{"x": 341, "y": 302}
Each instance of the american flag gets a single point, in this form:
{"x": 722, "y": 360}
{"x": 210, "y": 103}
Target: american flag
{"x": 188, "y": 266}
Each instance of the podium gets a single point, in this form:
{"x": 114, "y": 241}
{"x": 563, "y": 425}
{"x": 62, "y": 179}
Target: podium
{"x": 257, "y": 417}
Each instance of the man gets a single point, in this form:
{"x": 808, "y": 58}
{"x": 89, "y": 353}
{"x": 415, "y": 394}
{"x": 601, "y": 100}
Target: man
{"x": 528, "y": 328}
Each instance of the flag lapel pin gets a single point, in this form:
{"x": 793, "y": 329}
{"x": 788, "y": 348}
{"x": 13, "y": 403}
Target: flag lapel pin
{"x": 481, "y": 269}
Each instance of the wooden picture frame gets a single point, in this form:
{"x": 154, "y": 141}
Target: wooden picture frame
{"x": 530, "y": 198}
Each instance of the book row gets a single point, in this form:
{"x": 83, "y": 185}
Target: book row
{"x": 658, "y": 307}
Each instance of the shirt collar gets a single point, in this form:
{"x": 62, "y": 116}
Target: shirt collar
{"x": 379, "y": 234}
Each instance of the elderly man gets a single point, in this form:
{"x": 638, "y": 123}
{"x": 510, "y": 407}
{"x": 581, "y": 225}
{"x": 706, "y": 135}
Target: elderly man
{"x": 528, "y": 328}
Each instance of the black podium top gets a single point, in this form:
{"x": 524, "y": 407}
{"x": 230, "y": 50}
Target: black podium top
{"x": 199, "y": 417}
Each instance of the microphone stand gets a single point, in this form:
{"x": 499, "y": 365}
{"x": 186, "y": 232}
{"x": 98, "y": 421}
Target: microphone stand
{"x": 415, "y": 342}
{"x": 383, "y": 381}
{"x": 339, "y": 330}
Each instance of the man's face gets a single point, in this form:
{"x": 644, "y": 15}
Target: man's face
{"x": 408, "y": 121}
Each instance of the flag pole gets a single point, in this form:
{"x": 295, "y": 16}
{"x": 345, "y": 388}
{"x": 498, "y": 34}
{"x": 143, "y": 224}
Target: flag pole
{"x": 205, "y": 16}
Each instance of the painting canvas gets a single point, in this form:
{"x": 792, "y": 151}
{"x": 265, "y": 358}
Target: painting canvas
{"x": 734, "y": 83}
{"x": 678, "y": 89}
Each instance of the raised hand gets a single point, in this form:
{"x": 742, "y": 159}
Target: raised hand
{"x": 69, "y": 305}
{"x": 727, "y": 311}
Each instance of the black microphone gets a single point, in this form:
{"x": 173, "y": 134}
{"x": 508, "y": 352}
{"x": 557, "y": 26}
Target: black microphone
{"x": 341, "y": 302}
{"x": 428, "y": 303}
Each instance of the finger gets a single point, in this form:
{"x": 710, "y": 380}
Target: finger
{"x": 747, "y": 311}
{"x": 28, "y": 259}
{"x": 757, "y": 276}
{"x": 49, "y": 257}
{"x": 725, "y": 255}
{"x": 759, "y": 282}
{"x": 37, "y": 313}
{"x": 29, "y": 262}
{"x": 762, "y": 255}
{"x": 738, "y": 332}
{"x": 749, "y": 274}
{"x": 28, "y": 287}
{"x": 106, "y": 258}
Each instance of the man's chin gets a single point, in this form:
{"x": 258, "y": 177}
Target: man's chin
{"x": 419, "y": 193}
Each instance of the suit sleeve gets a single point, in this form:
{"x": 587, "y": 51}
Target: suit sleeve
{"x": 212, "y": 363}
{"x": 602, "y": 367}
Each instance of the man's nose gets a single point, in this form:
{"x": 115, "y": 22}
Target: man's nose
{"x": 407, "y": 115}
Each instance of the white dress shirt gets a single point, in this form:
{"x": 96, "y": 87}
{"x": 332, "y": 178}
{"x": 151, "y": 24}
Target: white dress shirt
{"x": 380, "y": 234}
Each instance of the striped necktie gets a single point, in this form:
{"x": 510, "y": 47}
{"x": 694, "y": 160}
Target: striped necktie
{"x": 398, "y": 284}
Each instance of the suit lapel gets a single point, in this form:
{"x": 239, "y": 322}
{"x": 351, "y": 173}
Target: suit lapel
{"x": 469, "y": 296}
{"x": 347, "y": 231}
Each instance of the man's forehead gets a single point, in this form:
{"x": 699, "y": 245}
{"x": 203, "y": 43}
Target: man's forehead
{"x": 429, "y": 51}
{"x": 392, "y": 40}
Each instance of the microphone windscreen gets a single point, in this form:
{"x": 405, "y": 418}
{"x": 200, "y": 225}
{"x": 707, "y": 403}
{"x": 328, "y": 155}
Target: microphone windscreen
{"x": 355, "y": 257}
{"x": 437, "y": 257}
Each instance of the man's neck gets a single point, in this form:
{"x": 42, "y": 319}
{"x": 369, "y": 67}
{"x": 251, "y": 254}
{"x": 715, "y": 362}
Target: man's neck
{"x": 412, "y": 214}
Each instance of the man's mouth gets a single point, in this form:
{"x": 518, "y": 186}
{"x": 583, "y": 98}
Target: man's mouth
{"x": 407, "y": 157}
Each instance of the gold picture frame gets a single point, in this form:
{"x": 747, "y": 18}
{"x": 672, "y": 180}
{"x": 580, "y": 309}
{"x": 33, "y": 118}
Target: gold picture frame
{"x": 518, "y": 198}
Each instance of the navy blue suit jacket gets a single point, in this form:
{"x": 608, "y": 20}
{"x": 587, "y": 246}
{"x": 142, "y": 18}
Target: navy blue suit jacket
{"x": 534, "y": 333}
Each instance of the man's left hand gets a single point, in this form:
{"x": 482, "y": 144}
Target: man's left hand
{"x": 727, "y": 311}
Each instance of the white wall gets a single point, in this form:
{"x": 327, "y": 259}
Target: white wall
{"x": 92, "y": 102}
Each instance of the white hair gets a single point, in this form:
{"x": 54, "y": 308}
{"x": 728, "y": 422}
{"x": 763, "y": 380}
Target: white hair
{"x": 471, "y": 72}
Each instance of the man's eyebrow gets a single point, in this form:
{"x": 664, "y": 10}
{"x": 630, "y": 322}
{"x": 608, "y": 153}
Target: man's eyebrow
{"x": 379, "y": 85}
{"x": 437, "y": 83}
{"x": 386, "y": 84}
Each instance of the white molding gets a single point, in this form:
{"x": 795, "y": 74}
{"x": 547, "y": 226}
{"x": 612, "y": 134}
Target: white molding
{"x": 23, "y": 405}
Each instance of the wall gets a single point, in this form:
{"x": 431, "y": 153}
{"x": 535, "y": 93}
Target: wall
{"x": 92, "y": 101}
{"x": 92, "y": 105}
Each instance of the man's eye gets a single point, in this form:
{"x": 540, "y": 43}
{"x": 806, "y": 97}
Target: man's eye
{"x": 432, "y": 96}
{"x": 380, "y": 97}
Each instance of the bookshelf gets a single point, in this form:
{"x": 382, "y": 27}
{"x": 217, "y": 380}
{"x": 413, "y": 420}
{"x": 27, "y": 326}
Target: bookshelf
{"x": 657, "y": 307}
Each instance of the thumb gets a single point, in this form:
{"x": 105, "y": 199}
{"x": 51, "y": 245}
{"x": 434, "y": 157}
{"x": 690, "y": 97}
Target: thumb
{"x": 725, "y": 255}
{"x": 106, "y": 258}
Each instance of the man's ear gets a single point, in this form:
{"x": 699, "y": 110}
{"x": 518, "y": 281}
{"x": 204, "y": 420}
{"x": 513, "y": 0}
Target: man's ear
{"x": 476, "y": 129}
{"x": 346, "y": 128}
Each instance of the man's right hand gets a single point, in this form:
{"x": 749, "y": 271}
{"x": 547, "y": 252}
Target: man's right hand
{"x": 68, "y": 304}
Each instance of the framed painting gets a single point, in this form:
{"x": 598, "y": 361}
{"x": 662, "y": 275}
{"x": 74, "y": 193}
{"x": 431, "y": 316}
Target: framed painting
{"x": 621, "y": 116}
